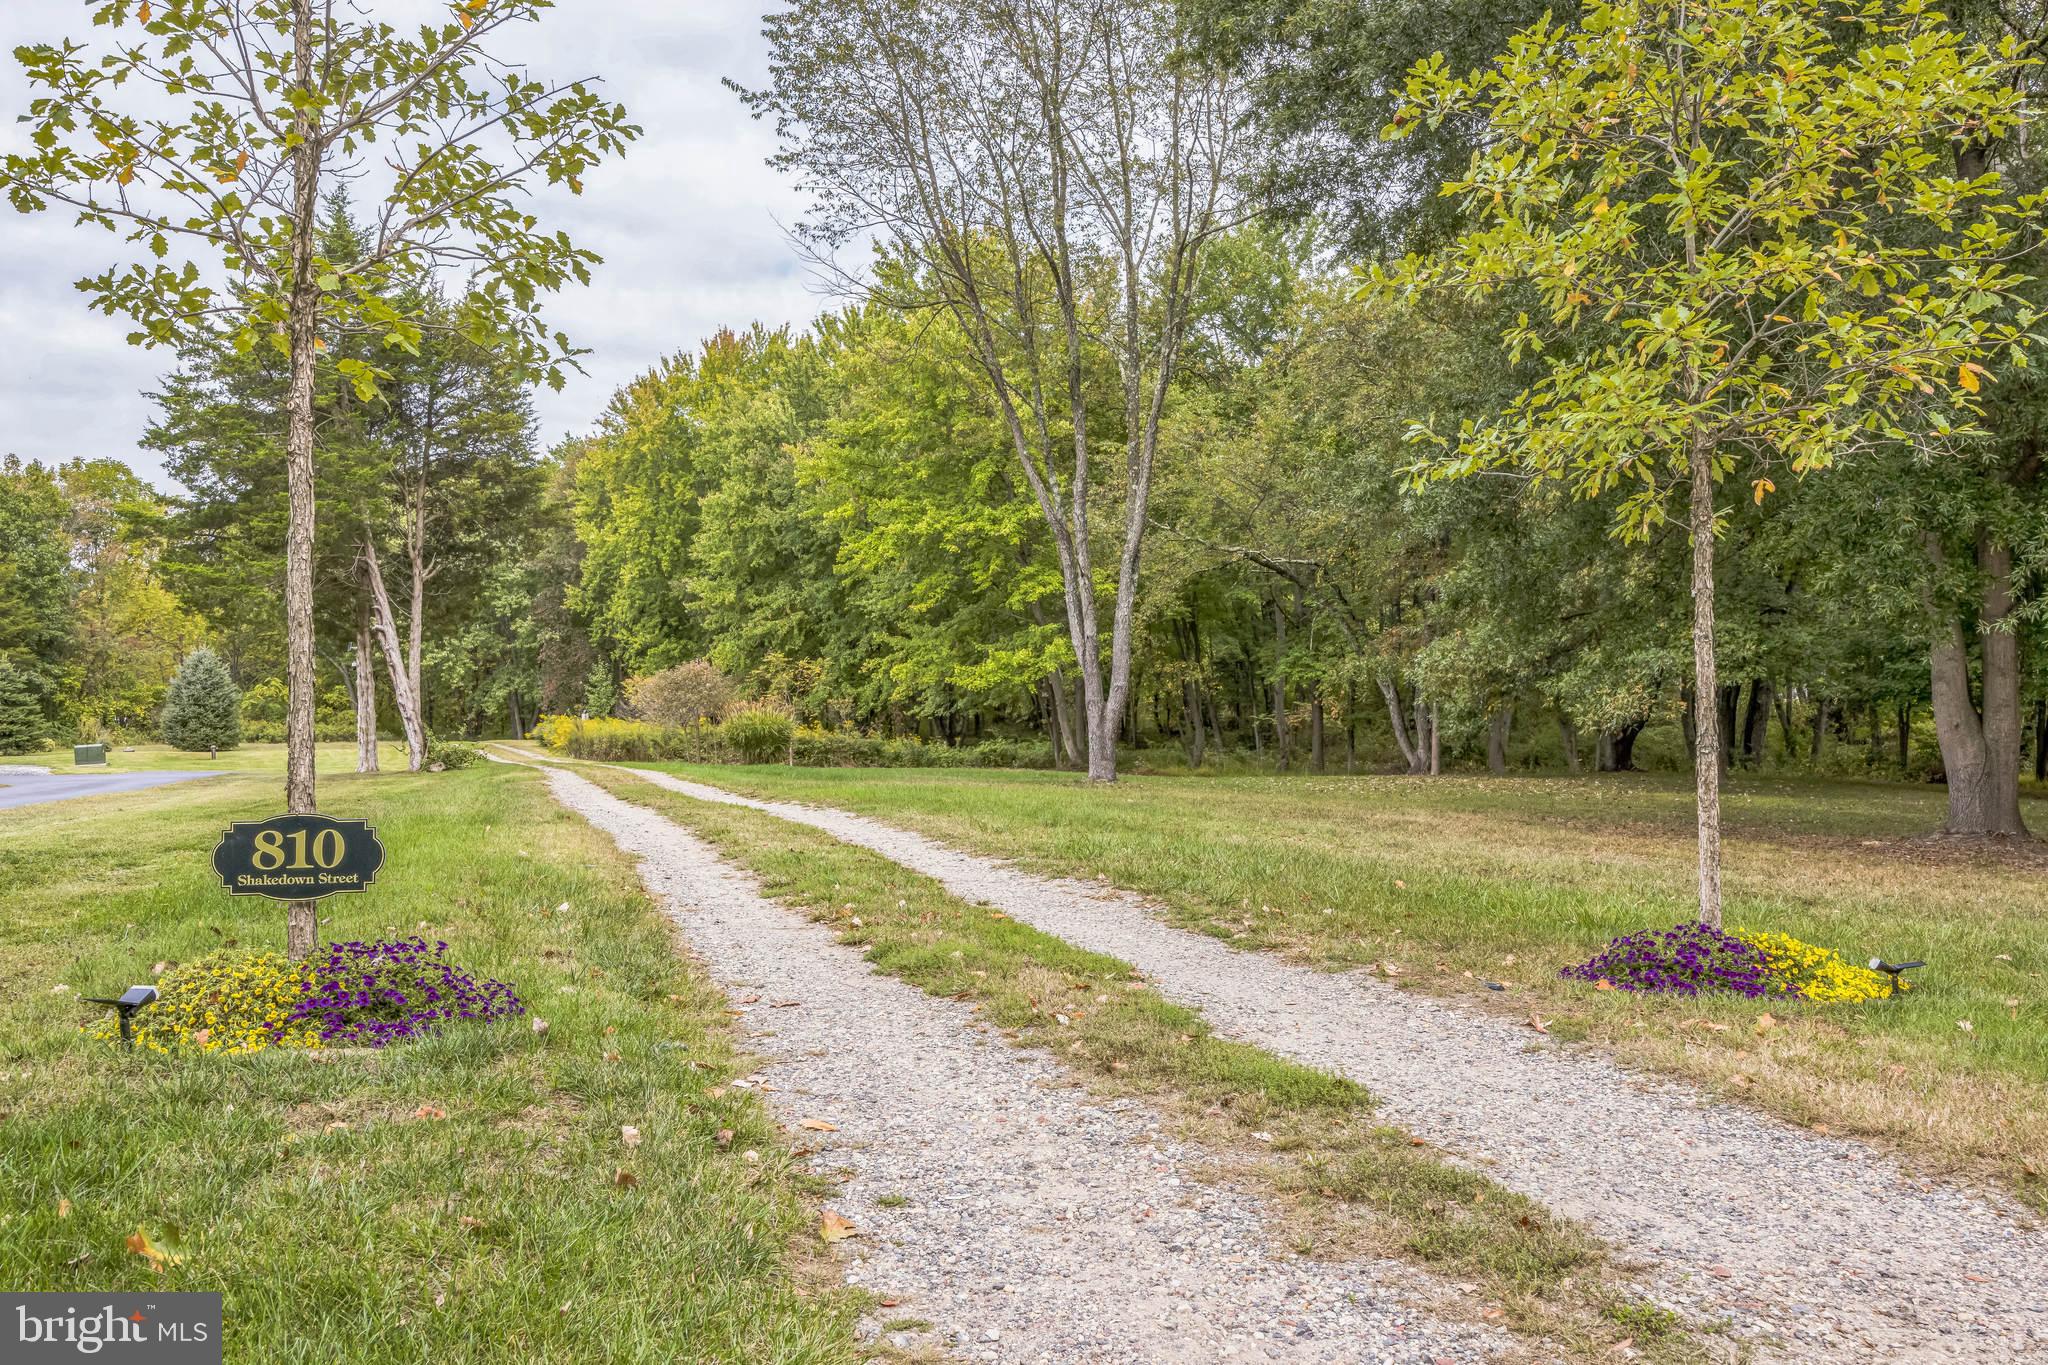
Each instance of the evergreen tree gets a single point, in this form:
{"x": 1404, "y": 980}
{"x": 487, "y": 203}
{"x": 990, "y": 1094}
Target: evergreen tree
{"x": 204, "y": 707}
{"x": 21, "y": 714}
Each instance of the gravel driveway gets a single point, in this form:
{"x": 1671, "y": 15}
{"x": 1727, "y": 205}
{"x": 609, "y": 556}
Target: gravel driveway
{"x": 1822, "y": 1245}
{"x": 1035, "y": 1223}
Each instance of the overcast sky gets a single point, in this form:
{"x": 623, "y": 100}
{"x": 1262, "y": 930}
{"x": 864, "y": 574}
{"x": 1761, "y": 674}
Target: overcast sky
{"x": 687, "y": 225}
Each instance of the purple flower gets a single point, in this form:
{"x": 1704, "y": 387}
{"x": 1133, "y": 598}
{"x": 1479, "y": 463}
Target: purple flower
{"x": 377, "y": 993}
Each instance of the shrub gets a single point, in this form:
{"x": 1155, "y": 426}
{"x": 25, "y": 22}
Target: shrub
{"x": 266, "y": 701}
{"x": 452, "y": 753}
{"x": 392, "y": 991}
{"x": 758, "y": 733}
{"x": 228, "y": 1002}
{"x": 22, "y": 730}
{"x": 202, "y": 710}
{"x": 1691, "y": 959}
{"x": 687, "y": 694}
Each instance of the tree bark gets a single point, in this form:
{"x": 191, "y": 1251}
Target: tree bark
{"x": 302, "y": 920}
{"x": 1905, "y": 709}
{"x": 1980, "y": 749}
{"x": 394, "y": 662}
{"x": 2041, "y": 741}
{"x": 365, "y": 689}
{"x": 1315, "y": 730}
{"x": 1568, "y": 739}
{"x": 1497, "y": 739}
{"x": 1411, "y": 750}
{"x": 1191, "y": 720}
{"x": 1436, "y": 746}
{"x": 1706, "y": 686}
{"x": 518, "y": 721}
{"x": 1756, "y": 722}
{"x": 1283, "y": 740}
{"x": 1820, "y": 728}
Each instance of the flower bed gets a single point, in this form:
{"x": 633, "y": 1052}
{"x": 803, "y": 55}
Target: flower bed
{"x": 1693, "y": 959}
{"x": 359, "y": 994}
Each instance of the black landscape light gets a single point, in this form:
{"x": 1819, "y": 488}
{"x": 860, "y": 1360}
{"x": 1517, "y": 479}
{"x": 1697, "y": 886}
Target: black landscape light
{"x": 132, "y": 999}
{"x": 1892, "y": 969}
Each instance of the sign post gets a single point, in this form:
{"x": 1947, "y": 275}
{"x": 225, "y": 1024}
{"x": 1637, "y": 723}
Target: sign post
{"x": 297, "y": 857}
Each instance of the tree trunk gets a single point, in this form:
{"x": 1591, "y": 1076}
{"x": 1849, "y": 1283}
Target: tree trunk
{"x": 518, "y": 721}
{"x": 1616, "y": 751}
{"x": 1191, "y": 720}
{"x": 394, "y": 663}
{"x": 1497, "y": 740}
{"x": 1568, "y": 739}
{"x": 1706, "y": 686}
{"x": 1436, "y": 747}
{"x": 1905, "y": 736}
{"x": 1820, "y": 728}
{"x": 1283, "y": 741}
{"x": 302, "y": 920}
{"x": 2041, "y": 741}
{"x": 1411, "y": 751}
{"x": 1315, "y": 730}
{"x": 1729, "y": 703}
{"x": 365, "y": 689}
{"x": 1756, "y": 723}
{"x": 1063, "y": 716}
{"x": 1350, "y": 728}
{"x": 1980, "y": 750}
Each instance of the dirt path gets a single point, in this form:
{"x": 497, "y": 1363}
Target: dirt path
{"x": 995, "y": 1200}
{"x": 1822, "y": 1245}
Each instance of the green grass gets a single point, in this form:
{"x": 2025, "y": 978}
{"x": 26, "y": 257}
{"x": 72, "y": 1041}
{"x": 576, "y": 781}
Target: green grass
{"x": 244, "y": 758}
{"x": 1317, "y": 1143}
{"x": 342, "y": 1220}
{"x": 1445, "y": 884}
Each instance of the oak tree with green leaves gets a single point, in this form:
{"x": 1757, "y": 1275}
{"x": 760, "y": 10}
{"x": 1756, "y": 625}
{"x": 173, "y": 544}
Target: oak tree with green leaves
{"x": 1751, "y": 257}
{"x": 203, "y": 132}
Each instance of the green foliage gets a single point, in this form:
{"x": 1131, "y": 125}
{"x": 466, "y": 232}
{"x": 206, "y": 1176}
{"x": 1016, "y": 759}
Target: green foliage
{"x": 627, "y": 741}
{"x": 759, "y": 734}
{"x": 202, "y": 710}
{"x": 22, "y": 728}
{"x": 452, "y": 754}
{"x": 1737, "y": 212}
{"x": 200, "y": 172}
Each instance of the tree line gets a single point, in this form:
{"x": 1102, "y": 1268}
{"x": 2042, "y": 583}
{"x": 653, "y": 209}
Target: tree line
{"x": 1262, "y": 381}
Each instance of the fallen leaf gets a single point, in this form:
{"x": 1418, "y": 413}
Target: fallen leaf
{"x": 836, "y": 1227}
{"x": 540, "y": 1025}
{"x": 63, "y": 1208}
{"x": 201, "y": 1035}
{"x": 625, "y": 1179}
{"x": 1262, "y": 1137}
{"x": 430, "y": 1111}
{"x": 1539, "y": 1023}
{"x": 335, "y": 1127}
{"x": 629, "y": 1135}
{"x": 1603, "y": 984}
{"x": 1966, "y": 1026}
{"x": 724, "y": 1138}
{"x": 158, "y": 1257}
{"x": 1765, "y": 1023}
{"x": 819, "y": 1126}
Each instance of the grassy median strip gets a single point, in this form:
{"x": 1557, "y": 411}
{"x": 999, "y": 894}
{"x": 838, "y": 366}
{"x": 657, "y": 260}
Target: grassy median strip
{"x": 1444, "y": 885}
{"x": 1310, "y": 1137}
{"x": 467, "y": 1198}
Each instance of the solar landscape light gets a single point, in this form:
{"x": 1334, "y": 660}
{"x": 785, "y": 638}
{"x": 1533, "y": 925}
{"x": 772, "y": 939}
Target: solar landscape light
{"x": 131, "y": 1000}
{"x": 1892, "y": 969}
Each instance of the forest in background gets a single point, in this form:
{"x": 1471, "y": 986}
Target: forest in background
{"x": 837, "y": 519}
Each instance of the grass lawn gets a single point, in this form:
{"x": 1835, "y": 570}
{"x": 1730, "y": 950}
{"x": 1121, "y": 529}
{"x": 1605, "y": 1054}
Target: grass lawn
{"x": 342, "y": 1216}
{"x": 244, "y": 758}
{"x": 1318, "y": 1146}
{"x": 1445, "y": 884}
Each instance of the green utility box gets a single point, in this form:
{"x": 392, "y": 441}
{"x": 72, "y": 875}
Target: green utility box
{"x": 86, "y": 755}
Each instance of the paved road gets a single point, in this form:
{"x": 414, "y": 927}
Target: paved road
{"x": 27, "y": 789}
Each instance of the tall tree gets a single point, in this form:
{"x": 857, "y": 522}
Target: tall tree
{"x": 252, "y": 108}
{"x": 1714, "y": 199}
{"x": 1051, "y": 172}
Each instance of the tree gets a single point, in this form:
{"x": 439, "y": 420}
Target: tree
{"x": 22, "y": 727}
{"x": 37, "y": 597}
{"x": 252, "y": 107}
{"x": 1049, "y": 174}
{"x": 683, "y": 694}
{"x": 1732, "y": 211}
{"x": 203, "y": 709}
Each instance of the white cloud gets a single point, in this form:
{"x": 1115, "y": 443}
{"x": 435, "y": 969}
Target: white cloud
{"x": 687, "y": 225}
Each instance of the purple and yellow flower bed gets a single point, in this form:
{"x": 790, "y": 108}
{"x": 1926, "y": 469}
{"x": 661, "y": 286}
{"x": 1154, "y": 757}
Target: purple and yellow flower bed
{"x": 359, "y": 995}
{"x": 1695, "y": 959}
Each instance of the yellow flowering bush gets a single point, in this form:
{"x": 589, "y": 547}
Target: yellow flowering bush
{"x": 227, "y": 1002}
{"x": 1818, "y": 974}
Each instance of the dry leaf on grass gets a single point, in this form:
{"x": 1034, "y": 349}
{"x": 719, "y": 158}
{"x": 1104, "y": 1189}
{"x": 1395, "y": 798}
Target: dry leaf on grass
{"x": 1539, "y": 1023}
{"x": 836, "y": 1227}
{"x": 63, "y": 1208}
{"x": 157, "y": 1256}
{"x": 625, "y": 1179}
{"x": 629, "y": 1135}
{"x": 430, "y": 1111}
{"x": 819, "y": 1126}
